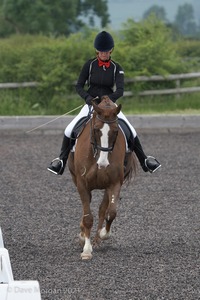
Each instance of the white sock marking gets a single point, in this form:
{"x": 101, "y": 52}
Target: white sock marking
{"x": 87, "y": 247}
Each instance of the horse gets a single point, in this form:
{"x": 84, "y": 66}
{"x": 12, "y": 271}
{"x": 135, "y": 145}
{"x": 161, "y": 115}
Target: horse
{"x": 100, "y": 161}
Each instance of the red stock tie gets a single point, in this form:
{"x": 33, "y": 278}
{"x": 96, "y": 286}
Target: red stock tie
{"x": 104, "y": 63}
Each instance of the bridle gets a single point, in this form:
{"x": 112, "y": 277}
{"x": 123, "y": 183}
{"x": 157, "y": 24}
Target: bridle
{"x": 106, "y": 121}
{"x": 94, "y": 142}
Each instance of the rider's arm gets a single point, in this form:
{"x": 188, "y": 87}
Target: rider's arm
{"x": 83, "y": 77}
{"x": 119, "y": 83}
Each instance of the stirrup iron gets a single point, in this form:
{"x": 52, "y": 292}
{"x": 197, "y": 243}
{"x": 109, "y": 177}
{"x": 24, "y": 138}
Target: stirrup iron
{"x": 156, "y": 168}
{"x": 57, "y": 159}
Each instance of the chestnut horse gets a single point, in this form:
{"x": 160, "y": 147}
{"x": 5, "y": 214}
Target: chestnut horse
{"x": 98, "y": 163}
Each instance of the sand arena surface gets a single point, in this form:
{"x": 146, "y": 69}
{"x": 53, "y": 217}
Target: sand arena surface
{"x": 154, "y": 250}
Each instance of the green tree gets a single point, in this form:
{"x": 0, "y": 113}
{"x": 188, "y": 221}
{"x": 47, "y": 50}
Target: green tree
{"x": 92, "y": 9}
{"x": 158, "y": 11}
{"x": 185, "y": 21}
{"x": 49, "y": 17}
{"x": 150, "y": 48}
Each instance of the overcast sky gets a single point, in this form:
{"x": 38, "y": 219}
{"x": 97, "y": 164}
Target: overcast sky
{"x": 121, "y": 10}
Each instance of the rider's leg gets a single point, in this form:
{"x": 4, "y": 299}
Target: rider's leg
{"x": 148, "y": 163}
{"x": 57, "y": 165}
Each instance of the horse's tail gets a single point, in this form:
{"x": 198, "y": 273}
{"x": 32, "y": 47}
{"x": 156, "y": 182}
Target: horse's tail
{"x": 130, "y": 166}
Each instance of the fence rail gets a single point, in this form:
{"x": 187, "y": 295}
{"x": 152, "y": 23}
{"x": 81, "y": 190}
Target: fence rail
{"x": 176, "y": 91}
{"x": 172, "y": 77}
{"x": 164, "y": 78}
{"x": 15, "y": 85}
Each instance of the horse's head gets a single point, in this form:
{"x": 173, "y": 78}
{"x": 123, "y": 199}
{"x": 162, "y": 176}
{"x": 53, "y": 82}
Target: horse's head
{"x": 106, "y": 110}
{"x": 105, "y": 128}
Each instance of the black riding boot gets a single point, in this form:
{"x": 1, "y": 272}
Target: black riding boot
{"x": 148, "y": 163}
{"x": 57, "y": 165}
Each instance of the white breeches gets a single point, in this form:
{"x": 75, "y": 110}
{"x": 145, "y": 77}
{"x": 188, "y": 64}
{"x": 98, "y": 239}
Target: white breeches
{"x": 84, "y": 112}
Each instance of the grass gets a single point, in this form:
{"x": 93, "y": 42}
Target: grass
{"x": 29, "y": 102}
{"x": 185, "y": 104}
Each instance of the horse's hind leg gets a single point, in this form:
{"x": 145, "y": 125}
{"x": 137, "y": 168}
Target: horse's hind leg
{"x": 86, "y": 223}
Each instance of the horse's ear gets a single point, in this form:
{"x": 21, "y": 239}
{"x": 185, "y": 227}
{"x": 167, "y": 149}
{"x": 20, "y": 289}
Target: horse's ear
{"x": 94, "y": 103}
{"x": 96, "y": 107}
{"x": 119, "y": 107}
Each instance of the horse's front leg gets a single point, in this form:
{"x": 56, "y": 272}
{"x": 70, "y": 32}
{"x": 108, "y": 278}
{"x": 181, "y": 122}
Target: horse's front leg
{"x": 84, "y": 236}
{"x": 86, "y": 222}
{"x": 111, "y": 212}
{"x": 102, "y": 212}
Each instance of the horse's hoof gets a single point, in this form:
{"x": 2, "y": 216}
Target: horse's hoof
{"x": 86, "y": 256}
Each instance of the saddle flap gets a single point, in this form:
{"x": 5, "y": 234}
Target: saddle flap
{"x": 78, "y": 128}
{"x": 128, "y": 134}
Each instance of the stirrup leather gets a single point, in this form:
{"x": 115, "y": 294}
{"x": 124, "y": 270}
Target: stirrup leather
{"x": 146, "y": 161}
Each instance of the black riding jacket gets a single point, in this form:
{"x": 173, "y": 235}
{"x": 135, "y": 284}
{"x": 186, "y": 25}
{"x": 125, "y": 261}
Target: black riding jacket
{"x": 101, "y": 80}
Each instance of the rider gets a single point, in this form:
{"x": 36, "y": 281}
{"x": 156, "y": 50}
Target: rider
{"x": 101, "y": 74}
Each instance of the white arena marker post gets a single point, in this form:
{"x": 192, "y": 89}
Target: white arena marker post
{"x": 11, "y": 289}
{"x": 1, "y": 239}
{"x": 6, "y": 274}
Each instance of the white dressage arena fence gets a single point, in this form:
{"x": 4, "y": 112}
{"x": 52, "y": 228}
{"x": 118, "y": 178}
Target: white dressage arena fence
{"x": 11, "y": 289}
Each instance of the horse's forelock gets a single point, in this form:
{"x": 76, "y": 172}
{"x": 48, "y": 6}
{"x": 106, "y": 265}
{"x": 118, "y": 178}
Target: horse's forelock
{"x": 106, "y": 102}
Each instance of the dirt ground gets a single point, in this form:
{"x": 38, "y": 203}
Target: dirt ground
{"x": 153, "y": 253}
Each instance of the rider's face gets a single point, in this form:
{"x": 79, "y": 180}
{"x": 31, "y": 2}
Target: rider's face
{"x": 104, "y": 55}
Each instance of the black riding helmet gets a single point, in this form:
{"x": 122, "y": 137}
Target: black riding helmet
{"x": 104, "y": 42}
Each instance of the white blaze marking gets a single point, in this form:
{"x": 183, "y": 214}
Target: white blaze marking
{"x": 103, "y": 157}
{"x": 113, "y": 199}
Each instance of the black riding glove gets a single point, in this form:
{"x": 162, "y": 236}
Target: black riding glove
{"x": 88, "y": 100}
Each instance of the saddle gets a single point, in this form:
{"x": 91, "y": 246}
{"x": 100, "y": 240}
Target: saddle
{"x": 80, "y": 125}
{"x": 78, "y": 128}
{"x": 128, "y": 134}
